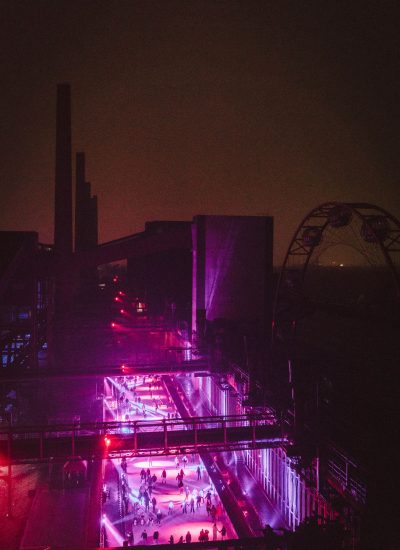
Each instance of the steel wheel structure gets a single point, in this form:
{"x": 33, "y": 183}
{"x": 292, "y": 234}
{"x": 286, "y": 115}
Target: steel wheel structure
{"x": 369, "y": 231}
{"x": 319, "y": 280}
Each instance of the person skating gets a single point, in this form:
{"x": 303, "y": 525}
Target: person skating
{"x": 215, "y": 532}
{"x": 213, "y": 513}
{"x": 159, "y": 516}
{"x": 146, "y": 501}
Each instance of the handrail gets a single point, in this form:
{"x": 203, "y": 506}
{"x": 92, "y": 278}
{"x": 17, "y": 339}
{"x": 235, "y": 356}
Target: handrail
{"x": 115, "y": 425}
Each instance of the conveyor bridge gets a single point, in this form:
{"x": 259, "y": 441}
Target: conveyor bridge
{"x": 140, "y": 438}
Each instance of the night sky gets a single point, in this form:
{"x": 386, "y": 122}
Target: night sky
{"x": 201, "y": 107}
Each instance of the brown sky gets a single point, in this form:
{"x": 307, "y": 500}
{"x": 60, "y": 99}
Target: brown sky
{"x": 191, "y": 107}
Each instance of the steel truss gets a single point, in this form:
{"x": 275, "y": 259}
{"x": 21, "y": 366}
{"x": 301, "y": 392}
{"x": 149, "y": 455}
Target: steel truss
{"x": 140, "y": 438}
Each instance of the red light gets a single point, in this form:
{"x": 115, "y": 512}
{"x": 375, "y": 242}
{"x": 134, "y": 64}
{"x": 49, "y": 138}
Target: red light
{"x": 113, "y": 325}
{"x": 107, "y": 441}
{"x": 123, "y": 367}
{"x": 121, "y": 293}
{"x": 122, "y": 311}
{"x": 116, "y": 299}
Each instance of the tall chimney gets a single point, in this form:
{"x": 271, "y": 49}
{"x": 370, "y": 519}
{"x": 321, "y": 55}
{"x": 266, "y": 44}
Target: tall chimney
{"x": 85, "y": 209}
{"x": 93, "y": 221}
{"x": 80, "y": 200}
{"x": 63, "y": 187}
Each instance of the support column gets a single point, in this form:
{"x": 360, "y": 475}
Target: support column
{"x": 9, "y": 477}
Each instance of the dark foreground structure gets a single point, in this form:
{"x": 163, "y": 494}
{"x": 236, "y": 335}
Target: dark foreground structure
{"x": 308, "y": 355}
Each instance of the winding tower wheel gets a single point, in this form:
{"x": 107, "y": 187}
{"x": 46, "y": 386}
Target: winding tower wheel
{"x": 342, "y": 267}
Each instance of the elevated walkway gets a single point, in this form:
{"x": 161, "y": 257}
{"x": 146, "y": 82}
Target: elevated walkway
{"x": 140, "y": 437}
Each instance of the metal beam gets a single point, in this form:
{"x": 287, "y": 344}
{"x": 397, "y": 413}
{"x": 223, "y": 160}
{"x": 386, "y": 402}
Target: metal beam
{"x": 140, "y": 438}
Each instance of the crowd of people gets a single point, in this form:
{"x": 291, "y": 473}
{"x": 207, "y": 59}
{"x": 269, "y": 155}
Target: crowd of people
{"x": 146, "y": 511}
{"x": 150, "y": 496}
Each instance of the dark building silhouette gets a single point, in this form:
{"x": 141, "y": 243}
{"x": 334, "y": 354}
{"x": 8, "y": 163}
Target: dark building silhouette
{"x": 168, "y": 295}
{"x": 232, "y": 288}
{"x": 23, "y": 297}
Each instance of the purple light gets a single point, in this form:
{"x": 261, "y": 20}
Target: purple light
{"x": 113, "y": 531}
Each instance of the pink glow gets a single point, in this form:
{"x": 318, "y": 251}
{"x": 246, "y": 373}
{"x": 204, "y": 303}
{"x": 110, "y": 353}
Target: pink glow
{"x": 114, "y": 416}
{"x": 112, "y": 530}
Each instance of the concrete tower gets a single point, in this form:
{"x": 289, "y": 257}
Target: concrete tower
{"x": 63, "y": 175}
{"x": 85, "y": 209}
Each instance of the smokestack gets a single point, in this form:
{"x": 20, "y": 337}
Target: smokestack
{"x": 63, "y": 187}
{"x": 93, "y": 221}
{"x": 85, "y": 209}
{"x": 80, "y": 200}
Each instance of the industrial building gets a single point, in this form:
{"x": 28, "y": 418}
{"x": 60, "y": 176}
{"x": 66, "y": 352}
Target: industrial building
{"x": 303, "y": 345}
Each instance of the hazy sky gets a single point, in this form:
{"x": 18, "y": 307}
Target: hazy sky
{"x": 201, "y": 107}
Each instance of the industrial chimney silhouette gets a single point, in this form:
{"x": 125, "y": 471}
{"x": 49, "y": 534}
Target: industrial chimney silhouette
{"x": 63, "y": 174}
{"x": 85, "y": 209}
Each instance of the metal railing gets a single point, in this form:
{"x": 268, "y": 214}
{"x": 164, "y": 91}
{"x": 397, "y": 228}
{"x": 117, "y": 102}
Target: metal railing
{"x": 140, "y": 437}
